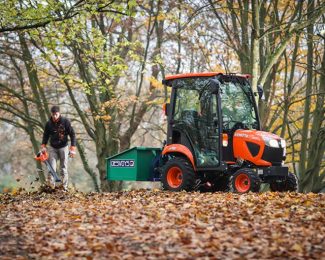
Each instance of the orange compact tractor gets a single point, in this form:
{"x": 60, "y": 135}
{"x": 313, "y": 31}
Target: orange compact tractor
{"x": 214, "y": 138}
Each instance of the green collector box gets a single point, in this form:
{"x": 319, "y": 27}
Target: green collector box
{"x": 134, "y": 164}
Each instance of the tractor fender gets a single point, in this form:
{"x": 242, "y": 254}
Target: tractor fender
{"x": 179, "y": 148}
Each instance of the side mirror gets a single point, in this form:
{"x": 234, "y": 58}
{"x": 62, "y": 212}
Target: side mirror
{"x": 260, "y": 92}
{"x": 166, "y": 108}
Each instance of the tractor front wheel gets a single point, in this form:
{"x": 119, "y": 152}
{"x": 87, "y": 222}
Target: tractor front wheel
{"x": 244, "y": 180}
{"x": 290, "y": 184}
{"x": 178, "y": 174}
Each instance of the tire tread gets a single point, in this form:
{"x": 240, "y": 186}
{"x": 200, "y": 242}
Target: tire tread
{"x": 188, "y": 174}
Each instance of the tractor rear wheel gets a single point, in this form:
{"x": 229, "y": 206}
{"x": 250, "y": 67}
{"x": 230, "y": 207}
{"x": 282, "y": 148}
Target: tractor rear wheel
{"x": 244, "y": 180}
{"x": 290, "y": 184}
{"x": 178, "y": 174}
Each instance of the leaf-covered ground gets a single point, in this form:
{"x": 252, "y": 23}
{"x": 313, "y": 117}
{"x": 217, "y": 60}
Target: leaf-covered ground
{"x": 162, "y": 225}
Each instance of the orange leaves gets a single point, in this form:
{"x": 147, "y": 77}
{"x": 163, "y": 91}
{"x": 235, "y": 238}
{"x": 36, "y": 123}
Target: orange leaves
{"x": 118, "y": 104}
{"x": 155, "y": 224}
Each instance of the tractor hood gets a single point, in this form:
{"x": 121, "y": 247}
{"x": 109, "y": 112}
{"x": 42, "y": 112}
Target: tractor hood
{"x": 259, "y": 147}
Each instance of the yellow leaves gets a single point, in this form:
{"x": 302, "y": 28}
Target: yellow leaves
{"x": 218, "y": 68}
{"x": 105, "y": 118}
{"x": 308, "y": 203}
{"x": 283, "y": 214}
{"x": 155, "y": 84}
{"x": 157, "y": 101}
{"x": 8, "y": 98}
{"x": 297, "y": 247}
{"x": 74, "y": 217}
{"x": 161, "y": 17}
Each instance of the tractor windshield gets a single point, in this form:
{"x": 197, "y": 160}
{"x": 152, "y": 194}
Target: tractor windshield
{"x": 237, "y": 106}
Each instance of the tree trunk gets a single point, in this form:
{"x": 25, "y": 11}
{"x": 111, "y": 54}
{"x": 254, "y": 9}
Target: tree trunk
{"x": 35, "y": 85}
{"x": 33, "y": 78}
{"x": 289, "y": 87}
{"x": 255, "y": 44}
{"x": 179, "y": 38}
{"x": 244, "y": 57}
{"x": 86, "y": 166}
{"x": 305, "y": 128}
{"x": 312, "y": 180}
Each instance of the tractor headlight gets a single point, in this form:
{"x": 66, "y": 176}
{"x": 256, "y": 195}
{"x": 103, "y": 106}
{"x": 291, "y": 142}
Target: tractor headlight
{"x": 271, "y": 142}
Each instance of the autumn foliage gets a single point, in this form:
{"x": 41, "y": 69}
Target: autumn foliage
{"x": 162, "y": 225}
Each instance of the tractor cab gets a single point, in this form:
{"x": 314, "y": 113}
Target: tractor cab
{"x": 204, "y": 112}
{"x": 214, "y": 136}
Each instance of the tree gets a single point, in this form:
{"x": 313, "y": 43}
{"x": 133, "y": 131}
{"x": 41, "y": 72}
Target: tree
{"x": 101, "y": 54}
{"x": 104, "y": 61}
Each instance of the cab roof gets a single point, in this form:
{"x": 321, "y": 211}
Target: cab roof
{"x": 201, "y": 74}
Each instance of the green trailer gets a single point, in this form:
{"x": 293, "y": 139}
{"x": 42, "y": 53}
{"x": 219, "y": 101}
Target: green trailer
{"x": 136, "y": 164}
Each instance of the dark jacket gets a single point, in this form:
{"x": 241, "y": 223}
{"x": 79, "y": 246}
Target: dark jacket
{"x": 58, "y": 133}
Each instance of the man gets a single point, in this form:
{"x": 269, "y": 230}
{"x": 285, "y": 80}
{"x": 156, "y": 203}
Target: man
{"x": 57, "y": 130}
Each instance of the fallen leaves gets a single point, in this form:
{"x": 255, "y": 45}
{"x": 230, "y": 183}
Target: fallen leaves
{"x": 156, "y": 224}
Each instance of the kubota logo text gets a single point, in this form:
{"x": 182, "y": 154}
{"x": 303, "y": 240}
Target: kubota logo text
{"x": 122, "y": 163}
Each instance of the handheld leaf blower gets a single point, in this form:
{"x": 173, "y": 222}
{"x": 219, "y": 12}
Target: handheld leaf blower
{"x": 43, "y": 157}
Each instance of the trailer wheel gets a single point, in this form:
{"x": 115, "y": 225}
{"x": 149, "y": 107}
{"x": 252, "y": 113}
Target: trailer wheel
{"x": 290, "y": 184}
{"x": 244, "y": 180}
{"x": 178, "y": 174}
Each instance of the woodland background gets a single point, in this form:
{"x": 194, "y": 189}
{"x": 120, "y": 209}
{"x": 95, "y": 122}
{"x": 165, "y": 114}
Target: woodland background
{"x": 103, "y": 62}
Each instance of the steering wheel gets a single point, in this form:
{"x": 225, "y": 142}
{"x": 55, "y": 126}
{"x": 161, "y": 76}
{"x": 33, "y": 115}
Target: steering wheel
{"x": 237, "y": 125}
